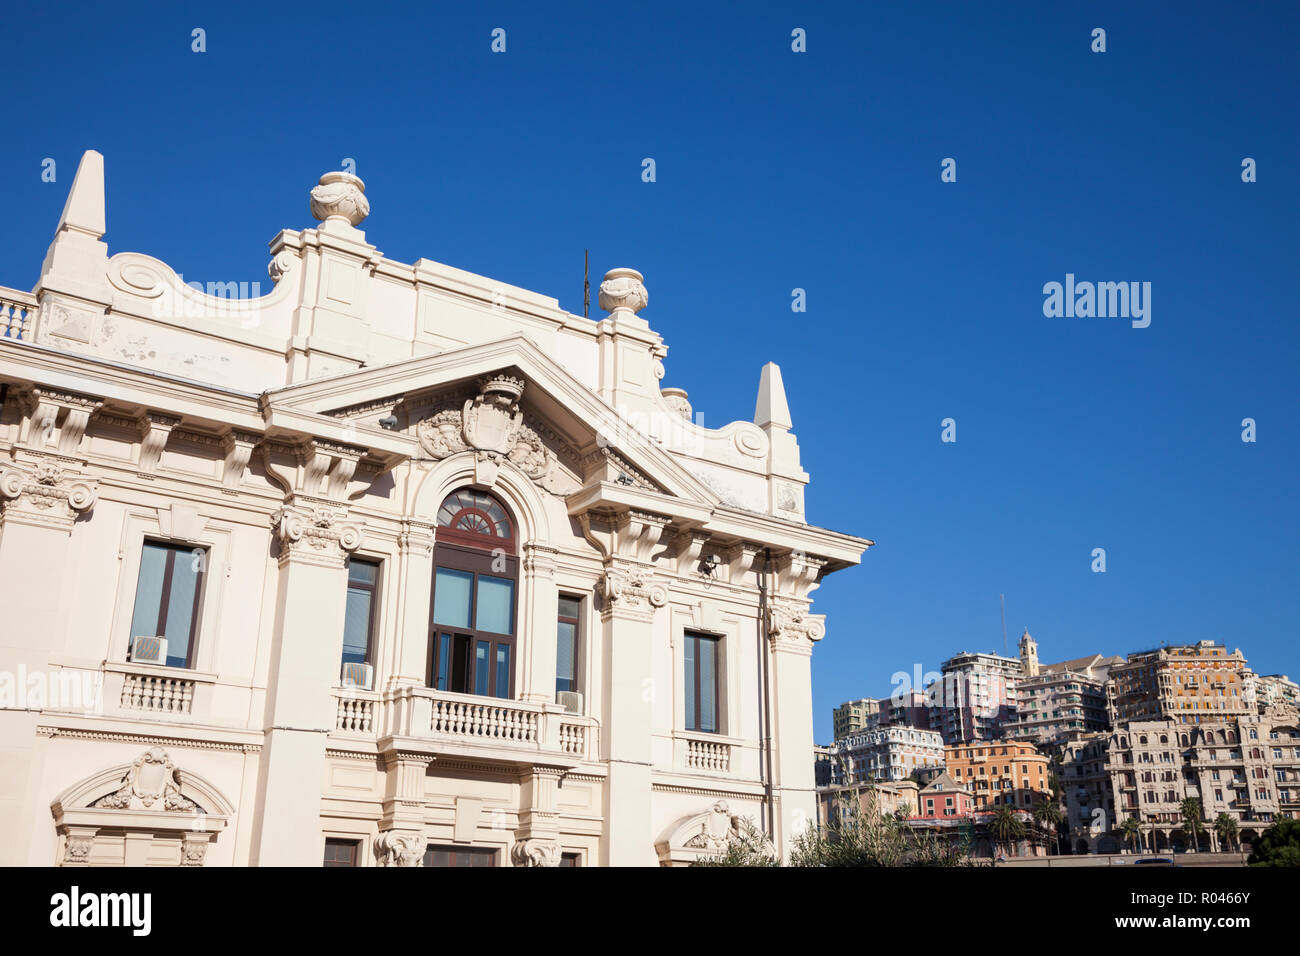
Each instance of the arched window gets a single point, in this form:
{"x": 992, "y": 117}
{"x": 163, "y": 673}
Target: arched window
{"x": 475, "y": 580}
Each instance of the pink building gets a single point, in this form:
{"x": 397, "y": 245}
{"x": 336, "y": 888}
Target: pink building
{"x": 943, "y": 797}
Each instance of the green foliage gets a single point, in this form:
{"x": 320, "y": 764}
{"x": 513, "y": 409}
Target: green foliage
{"x": 857, "y": 839}
{"x": 1131, "y": 829}
{"x": 1004, "y": 825}
{"x": 1226, "y": 827}
{"x": 869, "y": 839}
{"x": 1279, "y": 846}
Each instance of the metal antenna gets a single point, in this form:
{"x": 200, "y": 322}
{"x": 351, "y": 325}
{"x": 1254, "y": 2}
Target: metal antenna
{"x": 1002, "y": 600}
{"x": 586, "y": 284}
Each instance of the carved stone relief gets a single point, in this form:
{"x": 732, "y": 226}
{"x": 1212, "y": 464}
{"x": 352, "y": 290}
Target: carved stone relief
{"x": 153, "y": 782}
{"x": 494, "y": 426}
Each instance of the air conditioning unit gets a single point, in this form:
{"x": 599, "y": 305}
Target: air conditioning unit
{"x": 570, "y": 700}
{"x": 149, "y": 650}
{"x": 361, "y": 676}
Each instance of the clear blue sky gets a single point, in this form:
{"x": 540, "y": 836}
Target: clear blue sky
{"x": 820, "y": 170}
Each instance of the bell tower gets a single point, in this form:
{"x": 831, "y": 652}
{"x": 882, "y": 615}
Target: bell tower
{"x": 1029, "y": 654}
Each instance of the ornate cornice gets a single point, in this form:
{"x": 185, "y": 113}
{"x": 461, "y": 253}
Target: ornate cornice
{"x": 111, "y": 736}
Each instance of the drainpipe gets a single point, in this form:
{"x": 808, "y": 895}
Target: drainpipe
{"x": 765, "y": 705}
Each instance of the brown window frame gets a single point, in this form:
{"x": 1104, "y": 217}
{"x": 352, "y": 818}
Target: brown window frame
{"x": 473, "y": 852}
{"x": 372, "y": 623}
{"x": 164, "y": 599}
{"x": 454, "y": 557}
{"x": 693, "y": 720}
{"x": 576, "y": 621}
{"x": 340, "y": 842}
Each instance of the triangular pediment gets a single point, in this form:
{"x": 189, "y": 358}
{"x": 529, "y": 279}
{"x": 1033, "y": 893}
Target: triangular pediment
{"x": 562, "y": 421}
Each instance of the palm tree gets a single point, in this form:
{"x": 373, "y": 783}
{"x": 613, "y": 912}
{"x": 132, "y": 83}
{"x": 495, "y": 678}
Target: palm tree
{"x": 1047, "y": 814}
{"x": 1191, "y": 813}
{"x": 1005, "y": 826}
{"x": 1226, "y": 827}
{"x": 1132, "y": 830}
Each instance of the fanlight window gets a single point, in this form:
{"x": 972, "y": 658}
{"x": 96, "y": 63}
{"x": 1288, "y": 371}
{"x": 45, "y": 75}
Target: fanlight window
{"x": 476, "y": 519}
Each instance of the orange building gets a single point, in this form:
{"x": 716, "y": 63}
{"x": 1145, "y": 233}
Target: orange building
{"x": 1190, "y": 684}
{"x": 999, "y": 771}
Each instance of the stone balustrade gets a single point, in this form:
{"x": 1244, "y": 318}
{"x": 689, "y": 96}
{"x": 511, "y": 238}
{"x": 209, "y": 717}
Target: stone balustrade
{"x": 17, "y": 315}
{"x": 512, "y": 727}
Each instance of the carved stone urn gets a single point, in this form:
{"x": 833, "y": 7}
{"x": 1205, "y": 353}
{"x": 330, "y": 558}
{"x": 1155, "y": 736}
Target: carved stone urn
{"x": 340, "y": 196}
{"x": 623, "y": 290}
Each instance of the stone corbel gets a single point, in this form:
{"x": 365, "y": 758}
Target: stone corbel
{"x": 797, "y": 574}
{"x": 690, "y": 549}
{"x": 238, "y": 448}
{"x": 312, "y": 467}
{"x": 740, "y": 558}
{"x": 637, "y": 534}
{"x": 155, "y": 428}
{"x": 48, "y": 404}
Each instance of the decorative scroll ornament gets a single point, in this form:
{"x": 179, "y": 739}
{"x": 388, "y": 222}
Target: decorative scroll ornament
{"x": 153, "y": 782}
{"x": 492, "y": 424}
{"x": 399, "y": 848}
{"x": 281, "y": 264}
{"x": 534, "y": 852}
{"x": 320, "y": 532}
{"x": 45, "y": 492}
{"x": 628, "y": 587}
{"x": 340, "y": 195}
{"x": 790, "y": 622}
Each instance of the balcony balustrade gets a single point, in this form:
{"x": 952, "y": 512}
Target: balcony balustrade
{"x": 486, "y": 727}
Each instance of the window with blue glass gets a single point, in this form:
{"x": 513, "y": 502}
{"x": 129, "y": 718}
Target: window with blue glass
{"x": 359, "y": 614}
{"x": 167, "y": 596}
{"x": 472, "y": 631}
{"x": 701, "y": 654}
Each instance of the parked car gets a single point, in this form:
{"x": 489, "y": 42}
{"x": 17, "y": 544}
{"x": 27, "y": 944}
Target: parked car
{"x": 1155, "y": 861}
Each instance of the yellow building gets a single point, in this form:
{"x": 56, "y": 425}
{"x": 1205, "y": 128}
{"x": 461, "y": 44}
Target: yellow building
{"x": 1011, "y": 772}
{"x": 1189, "y": 683}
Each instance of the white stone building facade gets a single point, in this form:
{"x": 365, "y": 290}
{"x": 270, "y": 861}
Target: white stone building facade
{"x": 885, "y": 754}
{"x": 393, "y": 565}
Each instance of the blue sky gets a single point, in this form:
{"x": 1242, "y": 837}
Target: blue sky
{"x": 820, "y": 171}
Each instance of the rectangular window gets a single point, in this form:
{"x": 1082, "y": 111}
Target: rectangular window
{"x": 451, "y": 597}
{"x": 566, "y": 650}
{"x": 495, "y": 604}
{"x": 701, "y": 681}
{"x": 459, "y": 856}
{"x": 341, "y": 852}
{"x": 570, "y": 859}
{"x": 167, "y": 598}
{"x": 359, "y": 616}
